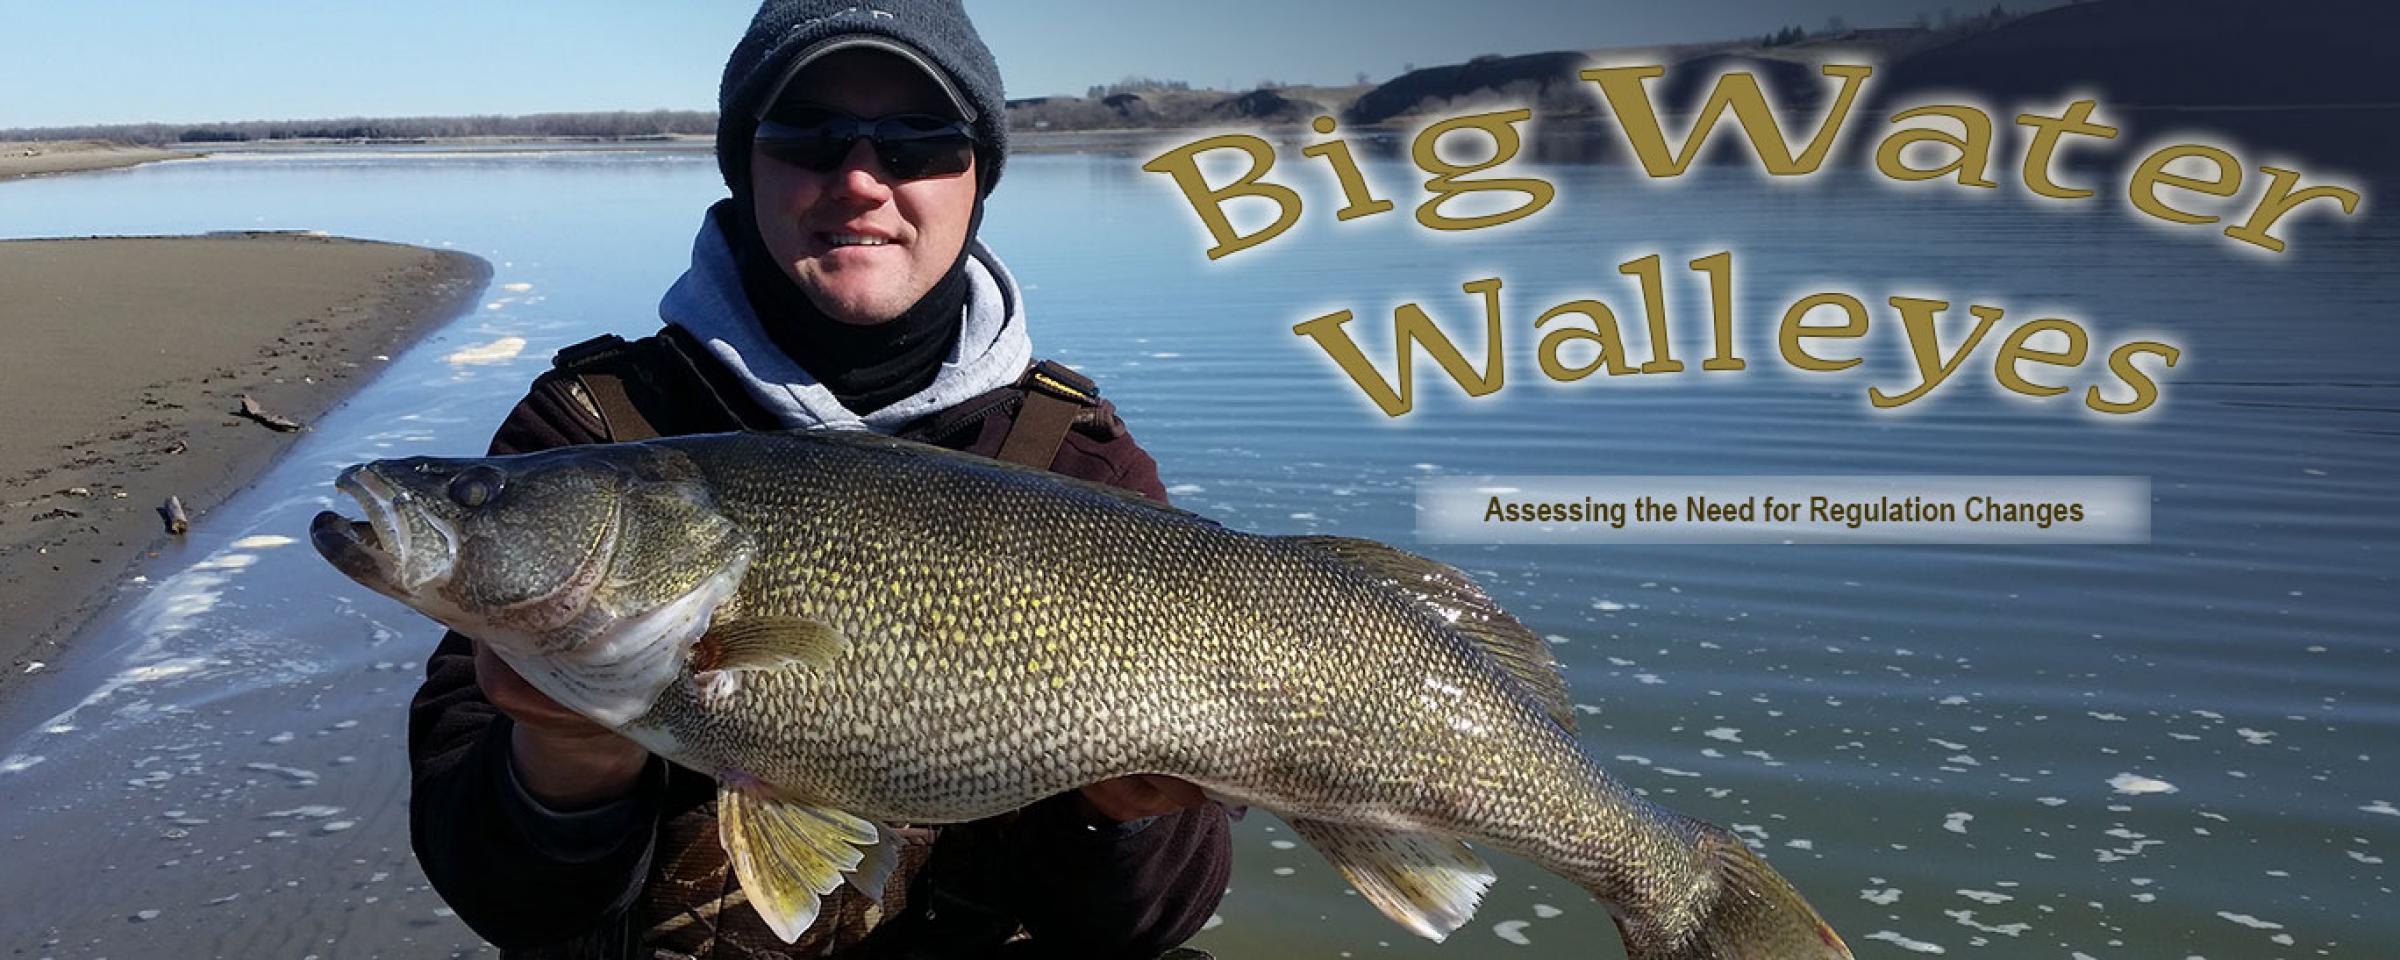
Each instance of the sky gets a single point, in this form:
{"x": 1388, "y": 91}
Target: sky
{"x": 176, "y": 61}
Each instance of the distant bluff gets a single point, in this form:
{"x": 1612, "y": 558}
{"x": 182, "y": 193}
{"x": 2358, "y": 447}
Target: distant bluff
{"x": 2128, "y": 53}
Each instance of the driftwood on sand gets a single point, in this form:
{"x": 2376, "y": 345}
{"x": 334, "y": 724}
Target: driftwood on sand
{"x": 251, "y": 409}
{"x": 172, "y": 512}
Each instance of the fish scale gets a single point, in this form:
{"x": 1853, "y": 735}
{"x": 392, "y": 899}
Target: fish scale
{"x": 923, "y": 636}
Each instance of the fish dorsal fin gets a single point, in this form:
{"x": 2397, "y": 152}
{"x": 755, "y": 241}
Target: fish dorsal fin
{"x": 772, "y": 643}
{"x": 789, "y": 855}
{"x": 1429, "y": 884}
{"x": 1468, "y": 610}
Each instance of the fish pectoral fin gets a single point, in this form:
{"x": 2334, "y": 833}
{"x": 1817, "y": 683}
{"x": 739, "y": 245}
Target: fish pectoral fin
{"x": 789, "y": 855}
{"x": 1427, "y": 883}
{"x": 773, "y": 643}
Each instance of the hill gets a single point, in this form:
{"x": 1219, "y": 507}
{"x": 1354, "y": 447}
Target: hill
{"x": 2174, "y": 53}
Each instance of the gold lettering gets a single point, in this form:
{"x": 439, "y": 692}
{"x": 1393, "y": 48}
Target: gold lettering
{"x": 2153, "y": 174}
{"x": 1974, "y": 151}
{"x": 1654, "y": 310}
{"x": 1925, "y": 346}
{"x": 1628, "y": 97}
{"x": 1445, "y": 184}
{"x": 1789, "y": 333}
{"x": 1410, "y": 327}
{"x": 2046, "y": 131}
{"x": 2013, "y": 350}
{"x": 2145, "y": 390}
{"x": 1361, "y": 201}
{"x": 1719, "y": 268}
{"x": 1603, "y": 334}
{"x": 1183, "y": 164}
{"x": 2278, "y": 199}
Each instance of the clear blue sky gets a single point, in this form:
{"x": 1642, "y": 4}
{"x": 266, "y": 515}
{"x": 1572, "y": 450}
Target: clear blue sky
{"x": 179, "y": 61}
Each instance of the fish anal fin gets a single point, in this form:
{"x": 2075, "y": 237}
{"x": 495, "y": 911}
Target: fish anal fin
{"x": 874, "y": 871}
{"x": 770, "y": 643}
{"x": 1429, "y": 884}
{"x": 787, "y": 855}
{"x": 1452, "y": 595}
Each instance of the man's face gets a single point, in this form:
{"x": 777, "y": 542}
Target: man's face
{"x": 822, "y": 227}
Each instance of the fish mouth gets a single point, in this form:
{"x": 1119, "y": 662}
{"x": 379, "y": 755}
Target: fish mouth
{"x": 376, "y": 551}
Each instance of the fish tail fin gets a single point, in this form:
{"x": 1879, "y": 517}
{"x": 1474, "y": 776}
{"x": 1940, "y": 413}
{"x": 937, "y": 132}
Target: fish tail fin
{"x": 1750, "y": 913}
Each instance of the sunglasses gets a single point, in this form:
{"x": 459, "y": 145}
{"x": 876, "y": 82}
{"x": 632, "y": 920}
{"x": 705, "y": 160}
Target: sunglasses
{"x": 911, "y": 146}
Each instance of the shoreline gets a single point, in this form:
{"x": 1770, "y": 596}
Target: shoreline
{"x": 125, "y": 383}
{"x": 1566, "y": 138}
{"x": 21, "y": 159}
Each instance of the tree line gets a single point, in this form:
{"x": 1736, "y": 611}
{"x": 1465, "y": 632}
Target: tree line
{"x": 618, "y": 125}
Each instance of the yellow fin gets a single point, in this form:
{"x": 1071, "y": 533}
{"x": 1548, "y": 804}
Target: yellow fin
{"x": 1429, "y": 884}
{"x": 773, "y": 643}
{"x": 788, "y": 855}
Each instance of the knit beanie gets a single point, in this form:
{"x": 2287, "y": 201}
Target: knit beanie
{"x": 787, "y": 34}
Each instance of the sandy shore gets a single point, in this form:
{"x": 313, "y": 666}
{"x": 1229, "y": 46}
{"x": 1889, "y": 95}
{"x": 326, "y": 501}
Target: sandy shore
{"x": 127, "y": 359}
{"x": 31, "y": 159}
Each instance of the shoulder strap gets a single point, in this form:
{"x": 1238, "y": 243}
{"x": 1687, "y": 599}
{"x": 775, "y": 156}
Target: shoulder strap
{"x": 593, "y": 370}
{"x": 640, "y": 389}
{"x": 1054, "y": 397}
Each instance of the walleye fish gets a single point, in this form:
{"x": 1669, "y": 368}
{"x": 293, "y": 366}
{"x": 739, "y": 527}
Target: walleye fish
{"x": 849, "y": 631}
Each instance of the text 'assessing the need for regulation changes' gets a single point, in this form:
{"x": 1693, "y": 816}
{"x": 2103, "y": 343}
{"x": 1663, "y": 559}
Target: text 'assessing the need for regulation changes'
{"x": 1755, "y": 509}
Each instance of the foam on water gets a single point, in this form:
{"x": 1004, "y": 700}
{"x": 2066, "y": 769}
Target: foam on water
{"x": 180, "y": 600}
{"x": 1904, "y": 943}
{"x": 2247, "y": 920}
{"x": 496, "y": 351}
{"x": 2134, "y": 784}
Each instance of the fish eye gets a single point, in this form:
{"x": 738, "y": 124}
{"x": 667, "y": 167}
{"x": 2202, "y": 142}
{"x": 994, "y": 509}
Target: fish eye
{"x": 475, "y": 487}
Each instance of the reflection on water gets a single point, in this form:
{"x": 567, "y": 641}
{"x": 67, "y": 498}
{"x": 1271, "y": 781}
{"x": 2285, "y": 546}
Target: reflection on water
{"x": 2130, "y": 751}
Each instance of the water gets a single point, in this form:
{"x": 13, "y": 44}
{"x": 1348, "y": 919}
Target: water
{"x": 2166, "y": 750}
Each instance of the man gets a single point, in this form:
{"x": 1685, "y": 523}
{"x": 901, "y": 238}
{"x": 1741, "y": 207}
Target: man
{"x": 840, "y": 286}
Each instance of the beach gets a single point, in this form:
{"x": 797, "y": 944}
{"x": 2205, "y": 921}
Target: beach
{"x": 128, "y": 363}
{"x": 37, "y": 158}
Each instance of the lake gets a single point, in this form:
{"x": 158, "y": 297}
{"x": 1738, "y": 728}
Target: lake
{"x": 2178, "y": 748}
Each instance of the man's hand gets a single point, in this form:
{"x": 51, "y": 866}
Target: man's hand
{"x": 564, "y": 759}
{"x": 1135, "y": 797}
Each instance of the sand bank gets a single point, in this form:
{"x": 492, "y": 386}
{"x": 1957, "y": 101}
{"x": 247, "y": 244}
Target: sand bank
{"x": 124, "y": 361}
{"x": 29, "y": 158}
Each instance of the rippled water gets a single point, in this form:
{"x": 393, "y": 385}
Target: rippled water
{"x": 2166, "y": 750}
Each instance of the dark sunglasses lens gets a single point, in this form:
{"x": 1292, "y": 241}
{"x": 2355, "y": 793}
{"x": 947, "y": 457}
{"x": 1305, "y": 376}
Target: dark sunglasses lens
{"x": 818, "y": 155}
{"x": 815, "y": 142}
{"x": 939, "y": 155}
{"x": 910, "y": 147}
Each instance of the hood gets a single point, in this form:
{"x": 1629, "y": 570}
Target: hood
{"x": 993, "y": 347}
